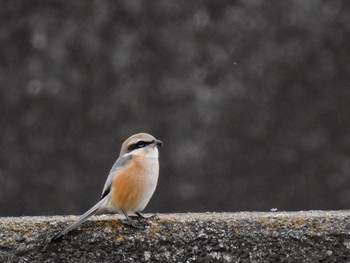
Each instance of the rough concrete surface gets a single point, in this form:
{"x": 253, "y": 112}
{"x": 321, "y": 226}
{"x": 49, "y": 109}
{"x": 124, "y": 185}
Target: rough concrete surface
{"x": 312, "y": 236}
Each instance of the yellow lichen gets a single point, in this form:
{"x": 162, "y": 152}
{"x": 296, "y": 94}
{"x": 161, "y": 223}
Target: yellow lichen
{"x": 296, "y": 222}
{"x": 120, "y": 238}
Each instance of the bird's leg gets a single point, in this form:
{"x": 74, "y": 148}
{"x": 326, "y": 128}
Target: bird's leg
{"x": 143, "y": 219}
{"x": 138, "y": 216}
{"x": 141, "y": 216}
{"x": 131, "y": 222}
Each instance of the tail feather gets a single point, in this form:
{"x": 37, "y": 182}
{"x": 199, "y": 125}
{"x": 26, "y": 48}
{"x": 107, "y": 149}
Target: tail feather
{"x": 93, "y": 210}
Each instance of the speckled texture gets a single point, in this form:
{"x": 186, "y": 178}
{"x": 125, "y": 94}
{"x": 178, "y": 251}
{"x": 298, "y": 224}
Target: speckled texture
{"x": 313, "y": 236}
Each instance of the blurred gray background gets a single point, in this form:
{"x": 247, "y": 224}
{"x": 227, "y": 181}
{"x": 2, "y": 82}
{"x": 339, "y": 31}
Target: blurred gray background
{"x": 251, "y": 99}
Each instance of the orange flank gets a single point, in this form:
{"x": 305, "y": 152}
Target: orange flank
{"x": 128, "y": 185}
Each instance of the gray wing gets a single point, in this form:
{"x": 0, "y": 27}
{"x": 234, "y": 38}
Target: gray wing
{"x": 121, "y": 161}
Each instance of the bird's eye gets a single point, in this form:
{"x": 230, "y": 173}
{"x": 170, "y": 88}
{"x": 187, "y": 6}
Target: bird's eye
{"x": 141, "y": 144}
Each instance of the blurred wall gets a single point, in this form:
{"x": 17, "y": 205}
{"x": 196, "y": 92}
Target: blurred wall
{"x": 251, "y": 99}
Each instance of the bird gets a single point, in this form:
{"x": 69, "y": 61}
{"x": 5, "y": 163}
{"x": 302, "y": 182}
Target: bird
{"x": 130, "y": 183}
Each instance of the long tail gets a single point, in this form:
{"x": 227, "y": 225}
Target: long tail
{"x": 93, "y": 210}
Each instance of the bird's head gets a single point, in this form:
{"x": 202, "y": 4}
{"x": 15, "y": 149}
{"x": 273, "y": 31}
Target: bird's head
{"x": 141, "y": 144}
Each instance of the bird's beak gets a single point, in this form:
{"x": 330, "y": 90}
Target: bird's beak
{"x": 158, "y": 143}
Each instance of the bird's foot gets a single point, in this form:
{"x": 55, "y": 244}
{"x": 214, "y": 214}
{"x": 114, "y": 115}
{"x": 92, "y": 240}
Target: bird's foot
{"x": 133, "y": 223}
{"x": 141, "y": 216}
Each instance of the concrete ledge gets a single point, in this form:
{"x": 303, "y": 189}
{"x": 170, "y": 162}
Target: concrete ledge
{"x": 313, "y": 236}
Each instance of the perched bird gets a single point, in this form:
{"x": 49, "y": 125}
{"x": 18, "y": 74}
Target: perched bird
{"x": 131, "y": 181}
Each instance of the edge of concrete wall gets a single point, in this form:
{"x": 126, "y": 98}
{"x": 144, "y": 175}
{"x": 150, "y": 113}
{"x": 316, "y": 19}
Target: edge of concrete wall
{"x": 310, "y": 236}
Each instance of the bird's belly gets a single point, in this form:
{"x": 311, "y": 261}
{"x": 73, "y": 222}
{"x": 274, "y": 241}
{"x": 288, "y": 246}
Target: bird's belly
{"x": 133, "y": 188}
{"x": 149, "y": 189}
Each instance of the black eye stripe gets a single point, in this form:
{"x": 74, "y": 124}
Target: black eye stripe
{"x": 139, "y": 144}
